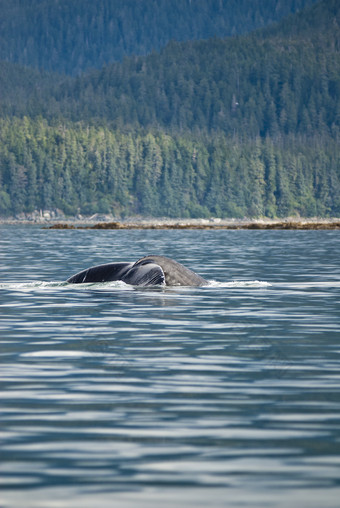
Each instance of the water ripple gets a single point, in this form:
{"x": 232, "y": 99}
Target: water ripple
{"x": 126, "y": 396}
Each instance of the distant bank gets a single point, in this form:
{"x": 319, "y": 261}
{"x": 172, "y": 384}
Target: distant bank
{"x": 50, "y": 220}
{"x": 206, "y": 224}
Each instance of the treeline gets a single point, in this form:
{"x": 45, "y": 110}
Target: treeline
{"x": 84, "y": 169}
{"x": 72, "y": 36}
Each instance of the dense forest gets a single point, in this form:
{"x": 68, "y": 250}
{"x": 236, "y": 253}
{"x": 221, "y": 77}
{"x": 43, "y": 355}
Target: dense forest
{"x": 78, "y": 168}
{"x": 249, "y": 86}
{"x": 70, "y": 36}
{"x": 242, "y": 126}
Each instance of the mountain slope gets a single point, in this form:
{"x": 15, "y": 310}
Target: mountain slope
{"x": 23, "y": 90}
{"x": 71, "y": 36}
{"x": 322, "y": 18}
{"x": 273, "y": 83}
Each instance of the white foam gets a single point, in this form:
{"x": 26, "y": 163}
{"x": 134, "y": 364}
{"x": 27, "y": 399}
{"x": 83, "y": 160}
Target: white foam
{"x": 239, "y": 284}
{"x": 57, "y": 354}
{"x": 27, "y": 286}
{"x": 102, "y": 286}
{"x": 118, "y": 284}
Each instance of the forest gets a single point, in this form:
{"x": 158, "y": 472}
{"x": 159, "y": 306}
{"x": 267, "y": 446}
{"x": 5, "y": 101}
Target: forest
{"x": 71, "y": 36}
{"x": 245, "y": 126}
{"x": 77, "y": 168}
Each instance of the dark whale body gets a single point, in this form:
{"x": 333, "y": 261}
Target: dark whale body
{"x": 147, "y": 271}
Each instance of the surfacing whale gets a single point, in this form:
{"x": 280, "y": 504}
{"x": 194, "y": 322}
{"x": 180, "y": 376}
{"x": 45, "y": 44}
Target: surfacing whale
{"x": 147, "y": 271}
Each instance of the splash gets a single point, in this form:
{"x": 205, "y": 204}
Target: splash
{"x": 239, "y": 284}
{"x": 43, "y": 285}
{"x": 116, "y": 285}
{"x": 28, "y": 286}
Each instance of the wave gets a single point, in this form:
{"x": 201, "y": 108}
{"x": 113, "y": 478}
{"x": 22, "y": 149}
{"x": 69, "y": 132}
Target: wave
{"x": 239, "y": 284}
{"x": 43, "y": 285}
{"x": 31, "y": 286}
{"x": 27, "y": 286}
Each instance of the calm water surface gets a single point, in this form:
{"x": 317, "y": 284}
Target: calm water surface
{"x": 221, "y": 396}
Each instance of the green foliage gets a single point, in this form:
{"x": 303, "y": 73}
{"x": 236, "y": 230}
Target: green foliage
{"x": 70, "y": 36}
{"x": 248, "y": 126}
{"x": 79, "y": 169}
{"x": 266, "y": 84}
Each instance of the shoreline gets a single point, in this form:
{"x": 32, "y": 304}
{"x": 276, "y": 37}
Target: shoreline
{"x": 210, "y": 224}
{"x": 255, "y": 225}
{"x": 99, "y": 221}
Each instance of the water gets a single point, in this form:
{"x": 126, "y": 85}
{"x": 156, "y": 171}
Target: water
{"x": 221, "y": 396}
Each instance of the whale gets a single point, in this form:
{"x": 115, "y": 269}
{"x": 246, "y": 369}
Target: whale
{"x": 147, "y": 271}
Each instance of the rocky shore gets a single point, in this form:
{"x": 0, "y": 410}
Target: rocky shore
{"x": 57, "y": 220}
{"x": 296, "y": 224}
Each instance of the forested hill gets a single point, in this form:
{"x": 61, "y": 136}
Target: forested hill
{"x": 70, "y": 36}
{"x": 245, "y": 126}
{"x": 321, "y": 18}
{"x": 272, "y": 83}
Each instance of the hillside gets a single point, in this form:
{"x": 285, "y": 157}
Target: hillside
{"x": 25, "y": 91}
{"x": 248, "y": 86}
{"x": 247, "y": 126}
{"x": 71, "y": 36}
{"x": 271, "y": 83}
